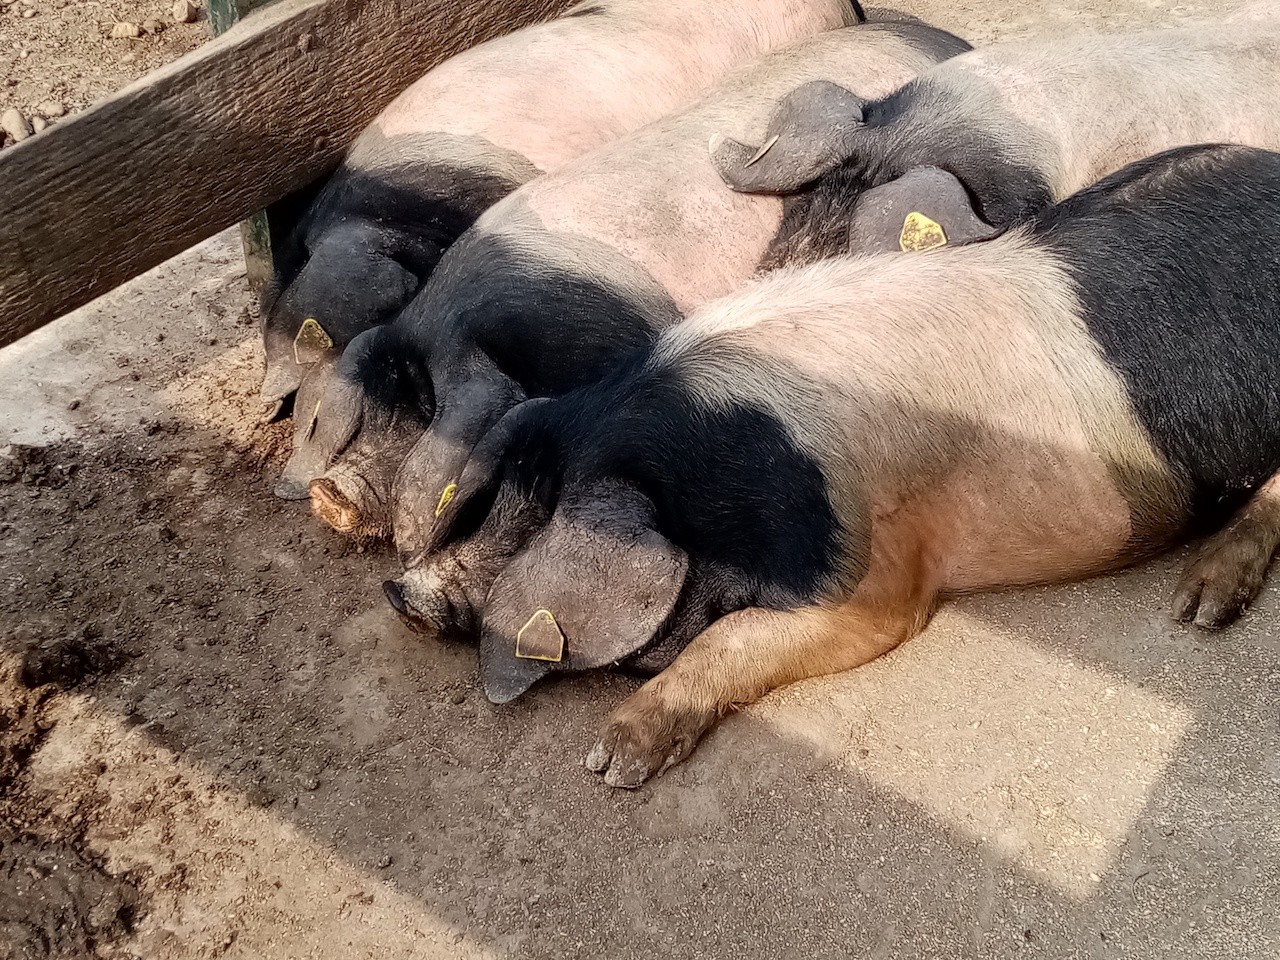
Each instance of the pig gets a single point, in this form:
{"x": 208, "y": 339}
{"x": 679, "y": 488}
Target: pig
{"x": 474, "y": 129}
{"x": 560, "y": 281}
{"x": 1021, "y": 124}
{"x": 790, "y": 481}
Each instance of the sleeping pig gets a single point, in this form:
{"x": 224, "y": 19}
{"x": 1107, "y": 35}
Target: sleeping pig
{"x": 475, "y": 128}
{"x": 1020, "y": 124}
{"x": 791, "y": 480}
{"x": 559, "y": 281}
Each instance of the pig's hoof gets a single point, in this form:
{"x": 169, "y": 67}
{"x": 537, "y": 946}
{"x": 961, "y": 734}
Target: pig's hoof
{"x": 644, "y": 738}
{"x": 287, "y": 489}
{"x": 1225, "y": 576}
{"x": 332, "y": 506}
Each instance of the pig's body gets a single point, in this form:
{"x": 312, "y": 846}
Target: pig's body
{"x": 558, "y": 282}
{"x": 486, "y": 121}
{"x": 1020, "y": 124}
{"x": 795, "y": 475}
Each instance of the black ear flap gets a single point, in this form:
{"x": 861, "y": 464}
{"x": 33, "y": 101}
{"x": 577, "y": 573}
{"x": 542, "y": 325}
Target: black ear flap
{"x": 810, "y": 133}
{"x": 462, "y": 507}
{"x": 591, "y": 589}
{"x": 427, "y": 481}
{"x": 924, "y": 208}
{"x": 390, "y": 285}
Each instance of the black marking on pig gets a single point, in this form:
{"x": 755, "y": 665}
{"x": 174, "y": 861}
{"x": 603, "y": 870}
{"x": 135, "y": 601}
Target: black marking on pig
{"x": 406, "y": 213}
{"x": 912, "y": 127}
{"x": 389, "y": 372}
{"x": 547, "y": 328}
{"x": 730, "y": 486}
{"x": 590, "y": 10}
{"x": 933, "y": 42}
{"x": 1176, "y": 261}
{"x": 727, "y": 486}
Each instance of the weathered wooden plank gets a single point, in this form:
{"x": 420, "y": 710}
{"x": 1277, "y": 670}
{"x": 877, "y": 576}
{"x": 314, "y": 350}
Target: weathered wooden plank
{"x": 210, "y": 139}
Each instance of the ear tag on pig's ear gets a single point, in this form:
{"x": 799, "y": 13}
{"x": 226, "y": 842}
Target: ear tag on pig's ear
{"x": 540, "y": 638}
{"x": 310, "y": 341}
{"x": 759, "y": 154}
{"x": 920, "y": 233}
{"x": 446, "y": 497}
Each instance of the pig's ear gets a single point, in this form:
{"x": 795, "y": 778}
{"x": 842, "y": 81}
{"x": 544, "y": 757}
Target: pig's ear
{"x": 426, "y": 481}
{"x": 591, "y": 589}
{"x": 514, "y": 449}
{"x": 810, "y": 133}
{"x": 390, "y": 285}
{"x": 926, "y": 207}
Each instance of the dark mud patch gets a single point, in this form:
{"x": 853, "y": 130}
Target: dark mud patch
{"x": 55, "y": 902}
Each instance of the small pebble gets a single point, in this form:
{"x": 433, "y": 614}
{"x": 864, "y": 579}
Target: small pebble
{"x": 184, "y": 11}
{"x": 52, "y": 109}
{"x": 73, "y": 405}
{"x": 311, "y": 783}
{"x": 152, "y": 27}
{"x": 125, "y": 31}
{"x": 384, "y": 861}
{"x": 15, "y": 124}
{"x": 38, "y": 124}
{"x": 28, "y": 14}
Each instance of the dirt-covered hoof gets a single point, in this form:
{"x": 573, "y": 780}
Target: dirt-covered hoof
{"x": 644, "y": 738}
{"x": 1225, "y": 577}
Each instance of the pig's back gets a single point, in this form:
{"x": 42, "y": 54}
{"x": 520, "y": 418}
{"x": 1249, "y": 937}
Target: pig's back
{"x": 1083, "y": 105}
{"x": 594, "y": 76}
{"x": 655, "y": 197}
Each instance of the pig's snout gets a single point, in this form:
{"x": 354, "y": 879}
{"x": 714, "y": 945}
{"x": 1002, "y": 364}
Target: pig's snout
{"x": 334, "y": 507}
{"x": 430, "y": 603}
{"x": 289, "y": 488}
{"x": 396, "y": 596}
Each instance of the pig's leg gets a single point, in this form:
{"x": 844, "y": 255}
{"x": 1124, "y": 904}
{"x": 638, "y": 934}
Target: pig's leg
{"x": 1228, "y": 570}
{"x": 739, "y": 659}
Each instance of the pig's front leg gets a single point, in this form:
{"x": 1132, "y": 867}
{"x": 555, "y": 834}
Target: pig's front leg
{"x": 1228, "y": 570}
{"x": 737, "y": 660}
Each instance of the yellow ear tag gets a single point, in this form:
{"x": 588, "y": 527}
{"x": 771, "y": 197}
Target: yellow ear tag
{"x": 311, "y": 336}
{"x": 759, "y": 154}
{"x": 920, "y": 233}
{"x": 446, "y": 496}
{"x": 540, "y": 639}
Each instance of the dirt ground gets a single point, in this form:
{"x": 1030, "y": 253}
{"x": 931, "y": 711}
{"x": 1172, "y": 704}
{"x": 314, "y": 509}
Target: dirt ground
{"x": 58, "y": 56}
{"x": 217, "y": 741}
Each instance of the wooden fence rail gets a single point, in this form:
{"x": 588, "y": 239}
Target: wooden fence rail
{"x": 210, "y": 139}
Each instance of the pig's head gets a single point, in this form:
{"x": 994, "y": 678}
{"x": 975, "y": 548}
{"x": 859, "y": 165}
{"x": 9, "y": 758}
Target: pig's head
{"x": 353, "y": 276}
{"x": 813, "y": 130}
{"x": 504, "y": 495}
{"x": 598, "y": 584}
{"x": 352, "y": 428}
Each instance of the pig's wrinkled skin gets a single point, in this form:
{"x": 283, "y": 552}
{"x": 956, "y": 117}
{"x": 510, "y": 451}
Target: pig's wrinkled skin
{"x": 557, "y": 283}
{"x": 792, "y": 479}
{"x": 474, "y": 129}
